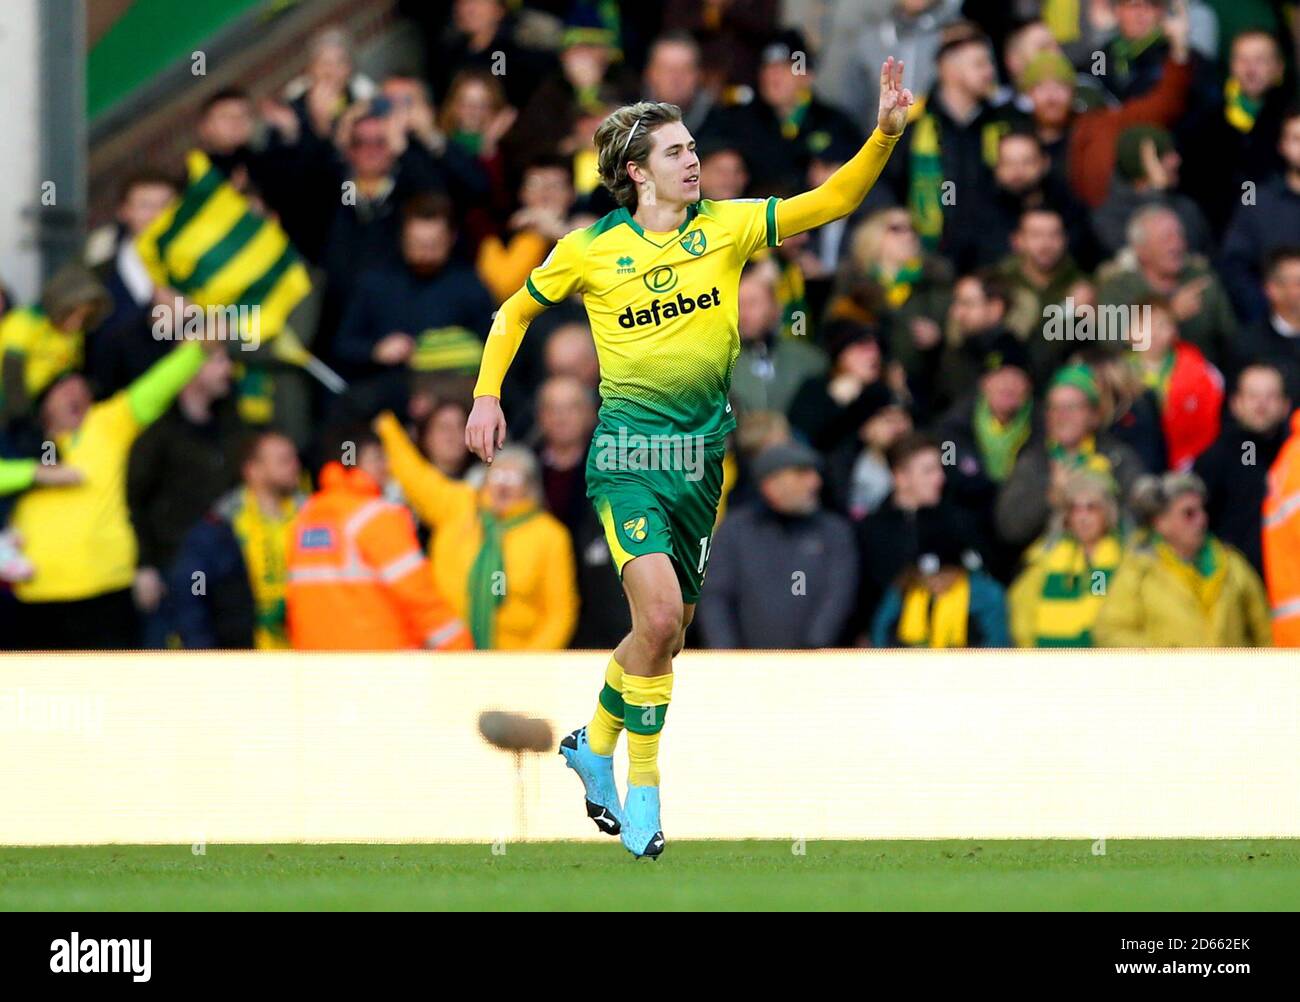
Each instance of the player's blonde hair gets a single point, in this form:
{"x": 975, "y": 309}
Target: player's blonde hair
{"x": 624, "y": 137}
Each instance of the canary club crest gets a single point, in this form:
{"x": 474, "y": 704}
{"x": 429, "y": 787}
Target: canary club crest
{"x": 635, "y": 528}
{"x": 694, "y": 243}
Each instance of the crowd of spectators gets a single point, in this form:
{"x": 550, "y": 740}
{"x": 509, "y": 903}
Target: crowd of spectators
{"x": 944, "y": 439}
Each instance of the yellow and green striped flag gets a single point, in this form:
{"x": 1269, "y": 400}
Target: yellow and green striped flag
{"x": 216, "y": 251}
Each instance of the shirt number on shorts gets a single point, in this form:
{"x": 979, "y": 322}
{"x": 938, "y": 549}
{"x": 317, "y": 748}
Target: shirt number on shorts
{"x": 704, "y": 554}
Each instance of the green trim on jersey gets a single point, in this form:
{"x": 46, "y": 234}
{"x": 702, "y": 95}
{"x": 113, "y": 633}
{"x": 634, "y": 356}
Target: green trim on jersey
{"x": 606, "y": 222}
{"x": 532, "y": 291}
{"x": 692, "y": 211}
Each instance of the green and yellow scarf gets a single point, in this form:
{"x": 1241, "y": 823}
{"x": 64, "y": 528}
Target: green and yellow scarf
{"x": 791, "y": 294}
{"x": 1073, "y": 589}
{"x": 446, "y": 349}
{"x": 1156, "y": 379}
{"x": 1085, "y": 457}
{"x": 254, "y": 394}
{"x": 899, "y": 286}
{"x": 1124, "y": 52}
{"x": 925, "y": 185}
{"x": 999, "y": 444}
{"x": 264, "y": 541}
{"x": 792, "y": 124}
{"x": 1239, "y": 110}
{"x": 487, "y": 576}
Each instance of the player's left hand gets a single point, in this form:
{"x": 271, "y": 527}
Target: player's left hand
{"x": 895, "y": 99}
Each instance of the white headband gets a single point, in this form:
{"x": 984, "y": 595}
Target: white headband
{"x": 631, "y": 133}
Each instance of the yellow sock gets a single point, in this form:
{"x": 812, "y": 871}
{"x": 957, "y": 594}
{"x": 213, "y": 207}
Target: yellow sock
{"x": 607, "y": 723}
{"x": 645, "y": 707}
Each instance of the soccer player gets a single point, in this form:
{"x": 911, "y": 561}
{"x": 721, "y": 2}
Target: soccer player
{"x": 659, "y": 277}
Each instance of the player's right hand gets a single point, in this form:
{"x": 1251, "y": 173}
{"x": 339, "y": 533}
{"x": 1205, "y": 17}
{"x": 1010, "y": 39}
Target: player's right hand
{"x": 485, "y": 431}
{"x": 895, "y": 99}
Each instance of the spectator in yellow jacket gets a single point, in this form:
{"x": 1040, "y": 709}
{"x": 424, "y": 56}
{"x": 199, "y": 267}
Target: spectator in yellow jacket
{"x": 504, "y": 562}
{"x": 1180, "y": 586}
{"x": 79, "y": 538}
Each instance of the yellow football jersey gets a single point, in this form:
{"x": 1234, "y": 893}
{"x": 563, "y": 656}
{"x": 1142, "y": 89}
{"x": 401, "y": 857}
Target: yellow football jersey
{"x": 663, "y": 310}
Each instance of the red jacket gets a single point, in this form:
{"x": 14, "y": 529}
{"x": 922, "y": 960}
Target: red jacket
{"x": 1193, "y": 402}
{"x": 1094, "y": 135}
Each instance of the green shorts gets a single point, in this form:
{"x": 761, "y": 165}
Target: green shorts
{"x": 658, "y": 500}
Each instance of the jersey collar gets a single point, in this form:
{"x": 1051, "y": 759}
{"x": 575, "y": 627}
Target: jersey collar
{"x": 692, "y": 211}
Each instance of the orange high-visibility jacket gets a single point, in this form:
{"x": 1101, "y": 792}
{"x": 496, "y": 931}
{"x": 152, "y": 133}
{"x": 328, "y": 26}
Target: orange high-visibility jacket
{"x": 1282, "y": 540}
{"x": 357, "y": 577}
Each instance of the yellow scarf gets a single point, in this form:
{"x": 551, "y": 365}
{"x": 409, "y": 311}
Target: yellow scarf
{"x": 1085, "y": 457}
{"x": 1204, "y": 575}
{"x": 1238, "y": 110}
{"x": 941, "y": 623}
{"x": 264, "y": 541}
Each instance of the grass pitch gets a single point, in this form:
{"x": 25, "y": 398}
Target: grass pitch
{"x": 991, "y": 875}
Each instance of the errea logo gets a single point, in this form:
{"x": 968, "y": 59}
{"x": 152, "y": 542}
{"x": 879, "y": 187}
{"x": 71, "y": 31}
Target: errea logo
{"x": 75, "y": 955}
{"x": 626, "y": 266}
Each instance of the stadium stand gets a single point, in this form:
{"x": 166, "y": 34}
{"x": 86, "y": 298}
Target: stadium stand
{"x": 1037, "y": 391}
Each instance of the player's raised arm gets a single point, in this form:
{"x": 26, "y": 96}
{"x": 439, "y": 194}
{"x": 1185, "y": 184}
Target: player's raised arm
{"x": 844, "y": 190}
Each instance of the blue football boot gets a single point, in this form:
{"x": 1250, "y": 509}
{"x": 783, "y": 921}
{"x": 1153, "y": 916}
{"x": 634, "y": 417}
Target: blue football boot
{"x": 597, "y": 775}
{"x": 642, "y": 835}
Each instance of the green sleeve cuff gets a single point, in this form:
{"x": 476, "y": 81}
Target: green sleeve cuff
{"x": 773, "y": 238}
{"x": 532, "y": 291}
